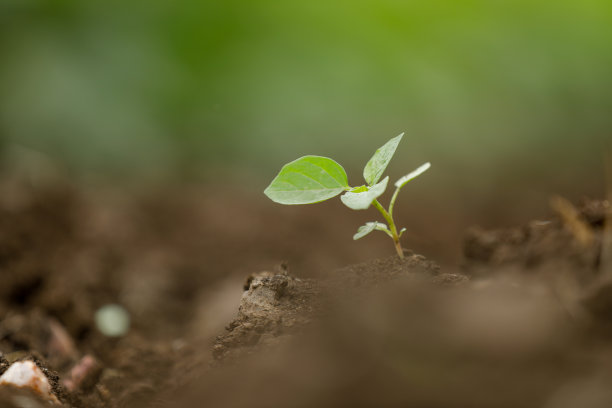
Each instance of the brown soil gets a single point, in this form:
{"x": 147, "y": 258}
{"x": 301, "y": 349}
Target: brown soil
{"x": 276, "y": 306}
{"x": 525, "y": 322}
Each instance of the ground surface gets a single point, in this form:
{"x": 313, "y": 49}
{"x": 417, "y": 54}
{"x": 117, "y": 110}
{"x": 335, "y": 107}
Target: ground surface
{"x": 219, "y": 319}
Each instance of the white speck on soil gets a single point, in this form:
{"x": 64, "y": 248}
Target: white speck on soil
{"x": 112, "y": 320}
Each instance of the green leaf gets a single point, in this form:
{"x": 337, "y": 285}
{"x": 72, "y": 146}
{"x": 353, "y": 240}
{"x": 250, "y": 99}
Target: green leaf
{"x": 307, "y": 180}
{"x": 376, "y": 166}
{"x": 369, "y": 227}
{"x": 359, "y": 189}
{"x": 402, "y": 182}
{"x": 362, "y": 200}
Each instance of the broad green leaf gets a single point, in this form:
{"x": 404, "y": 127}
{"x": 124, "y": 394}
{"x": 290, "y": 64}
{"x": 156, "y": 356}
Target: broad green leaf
{"x": 307, "y": 180}
{"x": 376, "y": 166}
{"x": 402, "y": 182}
{"x": 362, "y": 200}
{"x": 369, "y": 227}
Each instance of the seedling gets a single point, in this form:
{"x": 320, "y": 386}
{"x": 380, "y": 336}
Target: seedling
{"x": 312, "y": 179}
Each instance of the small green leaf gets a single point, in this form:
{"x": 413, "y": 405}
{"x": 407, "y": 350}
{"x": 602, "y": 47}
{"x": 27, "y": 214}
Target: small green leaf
{"x": 369, "y": 227}
{"x": 307, "y": 180}
{"x": 359, "y": 189}
{"x": 402, "y": 232}
{"x": 402, "y": 182}
{"x": 362, "y": 200}
{"x": 376, "y": 166}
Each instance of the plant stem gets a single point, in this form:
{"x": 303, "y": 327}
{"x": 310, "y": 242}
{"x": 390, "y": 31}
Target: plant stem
{"x": 387, "y": 216}
{"x": 392, "y": 203}
{"x": 398, "y": 248}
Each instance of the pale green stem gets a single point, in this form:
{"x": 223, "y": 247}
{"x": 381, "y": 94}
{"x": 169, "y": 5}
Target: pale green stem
{"x": 387, "y": 216}
{"x": 392, "y": 203}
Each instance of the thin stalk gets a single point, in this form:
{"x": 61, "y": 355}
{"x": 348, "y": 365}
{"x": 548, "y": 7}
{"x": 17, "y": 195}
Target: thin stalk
{"x": 392, "y": 203}
{"x": 387, "y": 216}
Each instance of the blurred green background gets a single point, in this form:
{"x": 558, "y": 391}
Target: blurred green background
{"x": 504, "y": 97}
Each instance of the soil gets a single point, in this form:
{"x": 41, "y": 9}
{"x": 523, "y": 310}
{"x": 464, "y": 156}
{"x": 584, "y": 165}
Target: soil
{"x": 218, "y": 319}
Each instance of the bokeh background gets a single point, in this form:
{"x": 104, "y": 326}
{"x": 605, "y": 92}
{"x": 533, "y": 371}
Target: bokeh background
{"x": 511, "y": 100}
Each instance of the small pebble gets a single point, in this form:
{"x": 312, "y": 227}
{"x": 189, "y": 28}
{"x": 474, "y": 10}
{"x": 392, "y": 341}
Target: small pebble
{"x": 112, "y": 320}
{"x": 26, "y": 374}
{"x": 60, "y": 342}
{"x": 83, "y": 374}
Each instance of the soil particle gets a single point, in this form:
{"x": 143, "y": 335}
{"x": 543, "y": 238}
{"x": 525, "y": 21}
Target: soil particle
{"x": 540, "y": 244}
{"x": 596, "y": 212}
{"x": 4, "y": 364}
{"x": 35, "y": 331}
{"x": 274, "y": 304}
{"x": 380, "y": 271}
{"x": 567, "y": 252}
{"x": 52, "y": 375}
{"x": 84, "y": 375}
{"x": 26, "y": 375}
{"x": 277, "y": 305}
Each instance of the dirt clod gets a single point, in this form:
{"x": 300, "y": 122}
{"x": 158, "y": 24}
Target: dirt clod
{"x": 278, "y": 305}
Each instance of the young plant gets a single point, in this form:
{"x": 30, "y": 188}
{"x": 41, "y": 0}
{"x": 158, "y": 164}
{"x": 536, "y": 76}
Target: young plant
{"x": 312, "y": 179}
